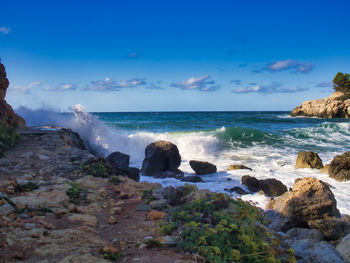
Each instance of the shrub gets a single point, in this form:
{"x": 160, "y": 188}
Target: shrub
{"x": 28, "y": 187}
{"x": 8, "y": 138}
{"x": 147, "y": 195}
{"x": 225, "y": 230}
{"x": 97, "y": 167}
{"x": 76, "y": 193}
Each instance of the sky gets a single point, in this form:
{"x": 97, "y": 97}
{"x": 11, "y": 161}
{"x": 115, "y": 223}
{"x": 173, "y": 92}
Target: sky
{"x": 179, "y": 55}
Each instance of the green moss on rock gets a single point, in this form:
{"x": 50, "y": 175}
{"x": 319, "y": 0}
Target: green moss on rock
{"x": 8, "y": 138}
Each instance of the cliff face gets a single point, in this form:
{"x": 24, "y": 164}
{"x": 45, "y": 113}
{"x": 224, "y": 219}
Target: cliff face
{"x": 7, "y": 115}
{"x": 328, "y": 107}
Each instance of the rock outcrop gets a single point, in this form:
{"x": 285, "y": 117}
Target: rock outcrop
{"x": 160, "y": 156}
{"x": 339, "y": 168}
{"x": 203, "y": 167}
{"x": 271, "y": 187}
{"x": 308, "y": 160}
{"x": 329, "y": 107}
{"x": 7, "y": 115}
{"x": 310, "y": 204}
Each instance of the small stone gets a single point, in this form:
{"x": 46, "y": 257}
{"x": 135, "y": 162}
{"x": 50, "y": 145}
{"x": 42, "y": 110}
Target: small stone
{"x": 28, "y": 155}
{"x": 20, "y": 206}
{"x": 72, "y": 208}
{"x": 30, "y": 225}
{"x": 148, "y": 238}
{"x": 24, "y": 216}
{"x": 112, "y": 220}
{"x": 43, "y": 157}
{"x": 155, "y": 215}
{"x": 28, "y": 177}
{"x": 110, "y": 250}
{"x": 167, "y": 240}
{"x": 6, "y": 209}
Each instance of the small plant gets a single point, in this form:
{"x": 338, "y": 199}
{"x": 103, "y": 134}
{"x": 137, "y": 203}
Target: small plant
{"x": 152, "y": 243}
{"x": 179, "y": 195}
{"x": 147, "y": 195}
{"x": 115, "y": 179}
{"x": 8, "y": 138}
{"x": 167, "y": 229}
{"x": 96, "y": 167}
{"x": 28, "y": 187}
{"x": 110, "y": 256}
{"x": 76, "y": 193}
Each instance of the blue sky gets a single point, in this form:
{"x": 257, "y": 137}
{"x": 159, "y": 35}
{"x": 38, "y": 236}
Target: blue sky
{"x": 172, "y": 55}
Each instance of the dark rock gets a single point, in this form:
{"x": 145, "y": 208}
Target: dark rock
{"x": 7, "y": 115}
{"x": 238, "y": 167}
{"x": 193, "y": 179}
{"x": 119, "y": 160}
{"x": 179, "y": 195}
{"x": 309, "y": 201}
{"x": 272, "y": 187}
{"x": 236, "y": 189}
{"x": 133, "y": 173}
{"x": 251, "y": 182}
{"x": 332, "y": 228}
{"x": 160, "y": 156}
{"x": 339, "y": 168}
{"x": 309, "y": 160}
{"x": 178, "y": 174}
{"x": 71, "y": 138}
{"x": 202, "y": 167}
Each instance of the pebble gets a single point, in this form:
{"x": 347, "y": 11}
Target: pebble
{"x": 28, "y": 177}
{"x": 24, "y": 216}
{"x": 43, "y": 157}
{"x": 28, "y": 155}
{"x": 30, "y": 225}
{"x": 112, "y": 220}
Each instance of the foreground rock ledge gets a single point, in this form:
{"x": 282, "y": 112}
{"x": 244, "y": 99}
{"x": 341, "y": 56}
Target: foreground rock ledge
{"x": 328, "y": 107}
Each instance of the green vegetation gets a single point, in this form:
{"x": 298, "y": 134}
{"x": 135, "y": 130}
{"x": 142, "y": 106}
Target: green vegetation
{"x": 341, "y": 82}
{"x": 8, "y": 138}
{"x": 38, "y": 211}
{"x": 167, "y": 229}
{"x": 110, "y": 256}
{"x": 76, "y": 193}
{"x": 147, "y": 195}
{"x": 151, "y": 243}
{"x": 98, "y": 168}
{"x": 115, "y": 179}
{"x": 28, "y": 187}
{"x": 225, "y": 230}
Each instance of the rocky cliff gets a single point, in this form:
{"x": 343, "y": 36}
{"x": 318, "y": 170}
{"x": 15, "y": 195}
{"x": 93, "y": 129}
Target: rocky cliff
{"x": 7, "y": 115}
{"x": 329, "y": 107}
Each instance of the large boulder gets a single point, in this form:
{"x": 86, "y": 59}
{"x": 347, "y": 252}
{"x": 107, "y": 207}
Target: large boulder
{"x": 272, "y": 187}
{"x": 251, "y": 183}
{"x": 119, "y": 160}
{"x": 308, "y": 160}
{"x": 309, "y": 201}
{"x": 329, "y": 107}
{"x": 202, "y": 167}
{"x": 339, "y": 168}
{"x": 7, "y": 115}
{"x": 160, "y": 156}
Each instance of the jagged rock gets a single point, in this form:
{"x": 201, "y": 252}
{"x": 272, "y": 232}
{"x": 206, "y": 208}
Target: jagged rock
{"x": 119, "y": 160}
{"x": 328, "y": 107}
{"x": 272, "y": 187}
{"x": 305, "y": 233}
{"x": 343, "y": 248}
{"x": 238, "y": 167}
{"x": 7, "y": 115}
{"x": 339, "y": 168}
{"x": 160, "y": 156}
{"x": 202, "y": 167}
{"x": 251, "y": 182}
{"x": 332, "y": 227}
{"x": 308, "y": 160}
{"x": 325, "y": 169}
{"x": 309, "y": 200}
{"x": 71, "y": 138}
{"x": 193, "y": 179}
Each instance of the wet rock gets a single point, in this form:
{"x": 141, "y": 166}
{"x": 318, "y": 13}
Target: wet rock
{"x": 160, "y": 156}
{"x": 251, "y": 182}
{"x": 201, "y": 168}
{"x": 119, "y": 160}
{"x": 339, "y": 168}
{"x": 272, "y": 187}
{"x": 193, "y": 179}
{"x": 71, "y": 138}
{"x": 344, "y": 248}
{"x": 309, "y": 200}
{"x": 238, "y": 167}
{"x": 309, "y": 160}
{"x": 325, "y": 169}
{"x": 237, "y": 190}
{"x": 178, "y": 174}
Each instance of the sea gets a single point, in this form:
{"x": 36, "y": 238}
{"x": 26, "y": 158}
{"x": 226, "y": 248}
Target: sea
{"x": 267, "y": 142}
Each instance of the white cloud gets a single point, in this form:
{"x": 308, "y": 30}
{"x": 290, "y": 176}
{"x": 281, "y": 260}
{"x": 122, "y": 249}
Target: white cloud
{"x": 63, "y": 87}
{"x": 274, "y": 87}
{"x": 111, "y": 85}
{"x": 290, "y": 64}
{"x": 5, "y": 30}
{"x": 25, "y": 89}
{"x": 200, "y": 84}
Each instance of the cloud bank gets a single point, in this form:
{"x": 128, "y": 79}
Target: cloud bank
{"x": 111, "y": 85}
{"x": 290, "y": 65}
{"x": 274, "y": 87}
{"x": 5, "y": 30}
{"x": 202, "y": 84}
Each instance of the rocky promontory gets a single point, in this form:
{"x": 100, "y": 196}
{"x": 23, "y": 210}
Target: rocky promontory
{"x": 329, "y": 107}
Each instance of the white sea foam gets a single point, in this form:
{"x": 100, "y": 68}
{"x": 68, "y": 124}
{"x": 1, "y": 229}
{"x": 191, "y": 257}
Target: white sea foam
{"x": 266, "y": 160}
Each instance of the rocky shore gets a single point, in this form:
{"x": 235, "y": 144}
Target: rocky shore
{"x": 329, "y": 107}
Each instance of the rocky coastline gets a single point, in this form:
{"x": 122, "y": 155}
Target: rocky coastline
{"x": 329, "y": 107}
{"x": 61, "y": 202}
